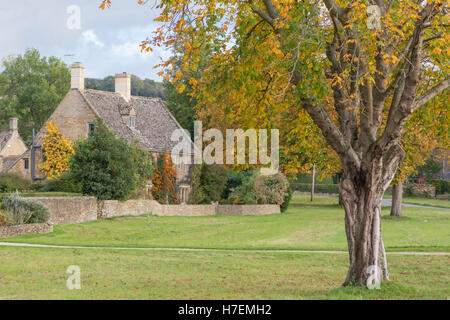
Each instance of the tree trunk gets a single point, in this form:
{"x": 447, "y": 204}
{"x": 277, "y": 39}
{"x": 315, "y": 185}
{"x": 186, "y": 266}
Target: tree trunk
{"x": 397, "y": 195}
{"x": 361, "y": 199}
{"x": 313, "y": 180}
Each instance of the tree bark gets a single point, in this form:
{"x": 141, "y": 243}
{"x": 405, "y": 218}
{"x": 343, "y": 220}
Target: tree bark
{"x": 362, "y": 192}
{"x": 397, "y": 195}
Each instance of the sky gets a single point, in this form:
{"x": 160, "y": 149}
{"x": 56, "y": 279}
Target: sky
{"x": 106, "y": 41}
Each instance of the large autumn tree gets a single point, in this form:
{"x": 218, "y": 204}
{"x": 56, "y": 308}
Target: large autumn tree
{"x": 355, "y": 69}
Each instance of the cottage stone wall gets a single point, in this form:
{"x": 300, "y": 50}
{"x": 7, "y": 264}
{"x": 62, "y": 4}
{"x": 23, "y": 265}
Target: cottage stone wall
{"x": 65, "y": 210}
{"x": 13, "y": 231}
{"x": 15, "y": 147}
{"x": 72, "y": 117}
{"x": 19, "y": 167}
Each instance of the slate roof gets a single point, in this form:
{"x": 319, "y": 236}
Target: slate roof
{"x": 154, "y": 123}
{"x": 4, "y": 137}
{"x": 9, "y": 162}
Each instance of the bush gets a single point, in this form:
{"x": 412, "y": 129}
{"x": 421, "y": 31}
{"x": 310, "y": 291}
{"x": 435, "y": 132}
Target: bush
{"x": 23, "y": 211}
{"x": 320, "y": 188}
{"x": 271, "y": 189}
{"x": 287, "y": 199}
{"x": 10, "y": 182}
{"x": 64, "y": 183}
{"x": 244, "y": 193}
{"x": 234, "y": 180}
{"x": 442, "y": 185}
{"x": 2, "y": 219}
{"x": 408, "y": 191}
{"x": 208, "y": 183}
{"x": 105, "y": 165}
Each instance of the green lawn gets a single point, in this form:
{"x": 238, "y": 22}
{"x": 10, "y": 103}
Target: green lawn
{"x": 40, "y": 273}
{"x": 306, "y": 225}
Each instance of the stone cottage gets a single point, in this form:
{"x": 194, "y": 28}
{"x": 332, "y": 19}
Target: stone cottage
{"x": 13, "y": 152}
{"x": 141, "y": 119}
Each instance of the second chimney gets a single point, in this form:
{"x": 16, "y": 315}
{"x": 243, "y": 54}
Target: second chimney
{"x": 123, "y": 85}
{"x": 13, "y": 125}
{"x": 77, "y": 76}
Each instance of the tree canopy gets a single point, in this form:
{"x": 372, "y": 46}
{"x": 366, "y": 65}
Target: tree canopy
{"x": 31, "y": 87}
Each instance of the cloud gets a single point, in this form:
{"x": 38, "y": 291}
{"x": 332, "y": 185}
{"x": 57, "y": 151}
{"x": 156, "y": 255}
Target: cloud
{"x": 107, "y": 43}
{"x": 89, "y": 37}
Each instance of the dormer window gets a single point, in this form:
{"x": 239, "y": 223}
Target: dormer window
{"x": 132, "y": 122}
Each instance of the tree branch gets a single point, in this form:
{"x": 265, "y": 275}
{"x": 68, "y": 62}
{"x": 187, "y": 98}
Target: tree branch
{"x": 433, "y": 92}
{"x": 262, "y": 14}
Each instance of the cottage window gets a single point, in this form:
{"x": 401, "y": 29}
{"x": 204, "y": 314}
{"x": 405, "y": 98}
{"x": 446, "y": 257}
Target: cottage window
{"x": 91, "y": 127}
{"x": 132, "y": 121}
{"x": 26, "y": 164}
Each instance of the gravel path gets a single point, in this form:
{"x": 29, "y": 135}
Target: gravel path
{"x": 388, "y": 203}
{"x": 28, "y": 245}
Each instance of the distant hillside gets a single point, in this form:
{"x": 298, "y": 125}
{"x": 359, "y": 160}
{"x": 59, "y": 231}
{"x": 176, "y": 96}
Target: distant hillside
{"x": 139, "y": 87}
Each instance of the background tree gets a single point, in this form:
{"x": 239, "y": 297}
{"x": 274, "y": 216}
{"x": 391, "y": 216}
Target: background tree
{"x": 164, "y": 180}
{"x": 358, "y": 82}
{"x": 422, "y": 136}
{"x": 104, "y": 165}
{"x": 57, "y": 150}
{"x": 31, "y": 88}
{"x": 139, "y": 87}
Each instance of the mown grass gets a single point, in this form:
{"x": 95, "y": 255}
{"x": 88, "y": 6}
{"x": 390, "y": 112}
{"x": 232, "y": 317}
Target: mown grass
{"x": 315, "y": 226}
{"x": 40, "y": 273}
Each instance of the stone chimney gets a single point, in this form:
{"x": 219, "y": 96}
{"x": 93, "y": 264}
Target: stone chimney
{"x": 77, "y": 76}
{"x": 123, "y": 85}
{"x": 13, "y": 125}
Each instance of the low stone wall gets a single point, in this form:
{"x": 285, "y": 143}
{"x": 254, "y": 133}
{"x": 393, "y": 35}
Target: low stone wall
{"x": 65, "y": 210}
{"x": 421, "y": 189}
{"x": 13, "y": 231}
{"x": 301, "y": 193}
{"x": 418, "y": 189}
{"x": 190, "y": 210}
{"x": 70, "y": 209}
{"x": 114, "y": 208}
{"x": 248, "y": 209}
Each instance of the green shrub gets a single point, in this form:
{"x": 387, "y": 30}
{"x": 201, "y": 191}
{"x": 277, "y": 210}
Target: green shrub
{"x": 105, "y": 165}
{"x": 442, "y": 185}
{"x": 10, "y": 182}
{"x": 408, "y": 191}
{"x": 234, "y": 180}
{"x": 271, "y": 189}
{"x": 64, "y": 183}
{"x": 20, "y": 210}
{"x": 244, "y": 193}
{"x": 320, "y": 188}
{"x": 287, "y": 199}
{"x": 208, "y": 183}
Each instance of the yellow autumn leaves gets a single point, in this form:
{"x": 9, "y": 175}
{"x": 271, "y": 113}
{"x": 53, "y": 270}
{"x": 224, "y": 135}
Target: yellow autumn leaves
{"x": 56, "y": 149}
